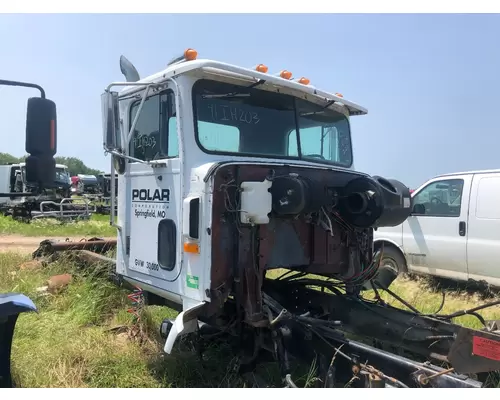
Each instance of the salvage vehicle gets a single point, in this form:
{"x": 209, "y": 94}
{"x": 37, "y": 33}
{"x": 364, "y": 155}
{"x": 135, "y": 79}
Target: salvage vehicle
{"x": 84, "y": 184}
{"x": 53, "y": 202}
{"x": 13, "y": 179}
{"x": 95, "y": 190}
{"x": 452, "y": 232}
{"x": 102, "y": 201}
{"x": 229, "y": 174}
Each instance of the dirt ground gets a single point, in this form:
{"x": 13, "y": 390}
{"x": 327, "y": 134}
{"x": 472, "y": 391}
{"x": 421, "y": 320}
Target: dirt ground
{"x": 26, "y": 244}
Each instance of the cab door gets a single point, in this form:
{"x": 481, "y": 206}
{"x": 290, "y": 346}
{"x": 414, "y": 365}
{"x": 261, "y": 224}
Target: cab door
{"x": 434, "y": 236}
{"x": 154, "y": 195}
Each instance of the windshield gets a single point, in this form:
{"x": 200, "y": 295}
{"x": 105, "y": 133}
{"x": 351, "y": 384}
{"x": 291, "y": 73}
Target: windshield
{"x": 62, "y": 176}
{"x": 250, "y": 122}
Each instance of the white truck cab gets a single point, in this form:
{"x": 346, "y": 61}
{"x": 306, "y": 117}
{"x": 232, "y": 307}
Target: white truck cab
{"x": 62, "y": 174}
{"x": 13, "y": 179}
{"x": 198, "y": 149}
{"x": 453, "y": 231}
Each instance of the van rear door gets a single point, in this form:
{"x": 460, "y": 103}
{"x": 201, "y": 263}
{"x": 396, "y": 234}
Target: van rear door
{"x": 483, "y": 238}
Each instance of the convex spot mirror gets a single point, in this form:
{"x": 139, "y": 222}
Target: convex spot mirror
{"x": 41, "y": 141}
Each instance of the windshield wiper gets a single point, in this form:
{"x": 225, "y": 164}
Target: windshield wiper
{"x": 320, "y": 110}
{"x": 225, "y": 96}
{"x": 236, "y": 94}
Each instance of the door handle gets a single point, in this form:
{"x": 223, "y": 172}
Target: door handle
{"x": 461, "y": 228}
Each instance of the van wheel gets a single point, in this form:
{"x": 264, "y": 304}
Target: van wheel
{"x": 392, "y": 265}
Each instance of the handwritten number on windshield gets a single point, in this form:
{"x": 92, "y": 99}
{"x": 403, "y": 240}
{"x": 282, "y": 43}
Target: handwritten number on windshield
{"x": 234, "y": 114}
{"x": 143, "y": 141}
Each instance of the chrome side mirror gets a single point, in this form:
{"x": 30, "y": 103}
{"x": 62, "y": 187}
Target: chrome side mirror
{"x": 110, "y": 121}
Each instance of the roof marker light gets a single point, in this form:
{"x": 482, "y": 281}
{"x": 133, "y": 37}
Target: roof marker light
{"x": 190, "y": 54}
{"x": 261, "y": 68}
{"x": 339, "y": 95}
{"x": 304, "y": 81}
{"x": 286, "y": 74}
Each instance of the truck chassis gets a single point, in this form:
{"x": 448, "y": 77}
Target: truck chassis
{"x": 352, "y": 340}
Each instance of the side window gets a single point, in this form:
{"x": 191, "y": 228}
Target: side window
{"x": 439, "y": 199}
{"x": 218, "y": 137}
{"x": 155, "y": 134}
{"x": 173, "y": 140}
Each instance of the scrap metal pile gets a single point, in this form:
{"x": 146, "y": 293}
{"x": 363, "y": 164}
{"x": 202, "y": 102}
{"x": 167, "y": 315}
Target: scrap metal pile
{"x": 40, "y": 207}
{"x": 26, "y": 201}
{"x": 96, "y": 190}
{"x": 61, "y": 203}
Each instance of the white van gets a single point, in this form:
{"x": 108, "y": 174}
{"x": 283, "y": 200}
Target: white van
{"x": 453, "y": 231}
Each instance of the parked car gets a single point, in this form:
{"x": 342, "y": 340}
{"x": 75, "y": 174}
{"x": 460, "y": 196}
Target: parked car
{"x": 453, "y": 231}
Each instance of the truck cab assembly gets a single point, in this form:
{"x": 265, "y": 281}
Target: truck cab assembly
{"x": 228, "y": 175}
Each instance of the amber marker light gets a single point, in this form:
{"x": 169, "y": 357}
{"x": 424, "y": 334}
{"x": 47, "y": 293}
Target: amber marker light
{"x": 190, "y": 54}
{"x": 261, "y": 68}
{"x": 286, "y": 74}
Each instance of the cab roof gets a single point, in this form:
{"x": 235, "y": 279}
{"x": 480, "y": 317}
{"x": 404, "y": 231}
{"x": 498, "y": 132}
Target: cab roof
{"x": 473, "y": 172}
{"x": 220, "y": 68}
{"x": 57, "y": 165}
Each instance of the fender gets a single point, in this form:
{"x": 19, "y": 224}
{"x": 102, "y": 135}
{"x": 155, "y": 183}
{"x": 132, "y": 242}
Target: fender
{"x": 390, "y": 241}
{"x": 11, "y": 305}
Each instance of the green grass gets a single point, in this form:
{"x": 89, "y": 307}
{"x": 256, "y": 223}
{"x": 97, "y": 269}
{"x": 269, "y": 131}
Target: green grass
{"x": 422, "y": 294}
{"x": 98, "y": 225}
{"x": 71, "y": 341}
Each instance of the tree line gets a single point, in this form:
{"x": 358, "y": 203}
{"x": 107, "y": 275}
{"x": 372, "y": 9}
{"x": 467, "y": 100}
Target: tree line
{"x": 75, "y": 165}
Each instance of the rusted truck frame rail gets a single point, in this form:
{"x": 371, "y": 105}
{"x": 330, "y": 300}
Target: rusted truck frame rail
{"x": 94, "y": 245}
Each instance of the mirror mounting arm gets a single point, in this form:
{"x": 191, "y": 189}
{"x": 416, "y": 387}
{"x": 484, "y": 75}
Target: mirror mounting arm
{"x": 119, "y": 154}
{"x": 23, "y": 84}
{"x": 134, "y": 123}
